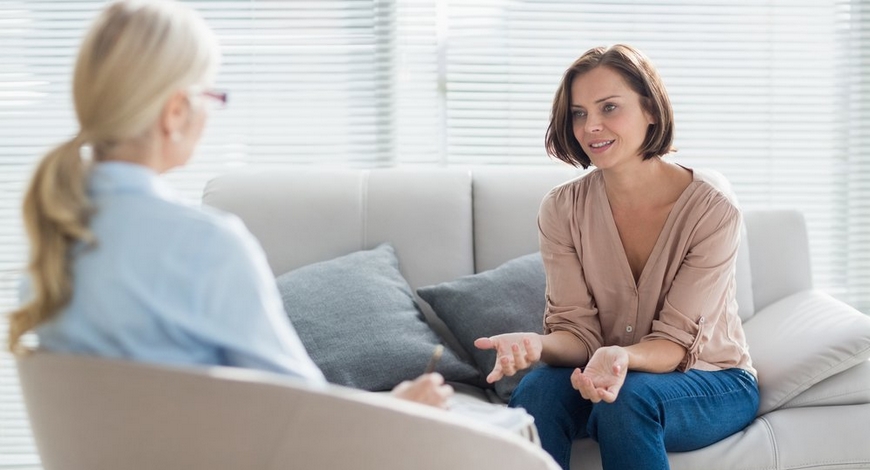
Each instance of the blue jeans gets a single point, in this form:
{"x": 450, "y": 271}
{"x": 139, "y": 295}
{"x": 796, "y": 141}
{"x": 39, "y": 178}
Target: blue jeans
{"x": 653, "y": 414}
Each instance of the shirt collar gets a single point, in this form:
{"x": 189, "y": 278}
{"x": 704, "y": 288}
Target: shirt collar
{"x": 123, "y": 177}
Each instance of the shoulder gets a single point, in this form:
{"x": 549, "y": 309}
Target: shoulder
{"x": 210, "y": 232}
{"x": 713, "y": 203}
{"x": 716, "y": 186}
{"x": 565, "y": 206}
{"x": 570, "y": 195}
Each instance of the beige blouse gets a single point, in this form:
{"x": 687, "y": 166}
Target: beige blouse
{"x": 685, "y": 293}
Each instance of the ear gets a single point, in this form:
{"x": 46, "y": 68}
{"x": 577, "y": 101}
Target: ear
{"x": 175, "y": 114}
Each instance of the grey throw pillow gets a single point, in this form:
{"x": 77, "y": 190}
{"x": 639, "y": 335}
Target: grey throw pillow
{"x": 506, "y": 299}
{"x": 358, "y": 320}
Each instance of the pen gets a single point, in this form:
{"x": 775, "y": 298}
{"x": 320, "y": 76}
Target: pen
{"x": 436, "y": 356}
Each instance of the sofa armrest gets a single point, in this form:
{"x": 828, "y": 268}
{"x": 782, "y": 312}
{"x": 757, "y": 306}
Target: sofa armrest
{"x": 779, "y": 254}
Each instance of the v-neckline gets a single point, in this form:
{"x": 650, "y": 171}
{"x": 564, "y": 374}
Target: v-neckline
{"x": 657, "y": 248}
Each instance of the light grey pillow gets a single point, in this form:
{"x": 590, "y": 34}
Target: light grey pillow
{"x": 802, "y": 340}
{"x": 358, "y": 320}
{"x": 506, "y": 299}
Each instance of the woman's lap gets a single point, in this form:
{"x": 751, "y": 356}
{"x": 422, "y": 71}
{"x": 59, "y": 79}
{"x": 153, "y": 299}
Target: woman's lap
{"x": 679, "y": 411}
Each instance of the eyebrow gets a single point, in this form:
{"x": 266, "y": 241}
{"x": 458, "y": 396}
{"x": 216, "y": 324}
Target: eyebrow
{"x": 598, "y": 101}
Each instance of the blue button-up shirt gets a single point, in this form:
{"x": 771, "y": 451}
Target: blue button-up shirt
{"x": 171, "y": 283}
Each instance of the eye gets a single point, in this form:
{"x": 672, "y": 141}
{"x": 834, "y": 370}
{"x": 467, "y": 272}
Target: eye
{"x": 578, "y": 114}
{"x": 609, "y": 107}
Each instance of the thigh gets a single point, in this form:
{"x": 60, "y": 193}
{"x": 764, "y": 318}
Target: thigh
{"x": 546, "y": 393}
{"x": 696, "y": 408}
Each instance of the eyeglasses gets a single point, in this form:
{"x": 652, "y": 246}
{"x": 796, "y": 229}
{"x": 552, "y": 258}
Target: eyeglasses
{"x": 217, "y": 98}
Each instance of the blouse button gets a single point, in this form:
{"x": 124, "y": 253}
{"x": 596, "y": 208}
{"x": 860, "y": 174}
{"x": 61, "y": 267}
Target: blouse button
{"x": 628, "y": 328}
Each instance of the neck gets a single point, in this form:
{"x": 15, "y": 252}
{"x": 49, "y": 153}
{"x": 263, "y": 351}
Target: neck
{"x": 137, "y": 151}
{"x": 634, "y": 184}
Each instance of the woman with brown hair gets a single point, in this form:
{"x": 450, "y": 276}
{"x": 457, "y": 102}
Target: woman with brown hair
{"x": 643, "y": 347}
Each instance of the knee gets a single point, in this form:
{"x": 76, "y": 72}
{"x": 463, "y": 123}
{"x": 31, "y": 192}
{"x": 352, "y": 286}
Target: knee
{"x": 635, "y": 404}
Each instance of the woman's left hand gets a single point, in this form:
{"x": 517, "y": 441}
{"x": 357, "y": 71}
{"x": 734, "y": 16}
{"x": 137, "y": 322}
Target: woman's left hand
{"x": 603, "y": 376}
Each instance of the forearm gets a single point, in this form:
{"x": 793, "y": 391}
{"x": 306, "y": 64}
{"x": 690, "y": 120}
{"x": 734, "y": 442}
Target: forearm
{"x": 657, "y": 356}
{"x": 563, "y": 349}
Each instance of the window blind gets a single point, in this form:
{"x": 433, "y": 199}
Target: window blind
{"x": 309, "y": 82}
{"x": 854, "y": 147}
{"x": 771, "y": 93}
{"x": 754, "y": 87}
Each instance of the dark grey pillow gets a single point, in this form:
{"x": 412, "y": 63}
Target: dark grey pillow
{"x": 506, "y": 299}
{"x": 358, "y": 320}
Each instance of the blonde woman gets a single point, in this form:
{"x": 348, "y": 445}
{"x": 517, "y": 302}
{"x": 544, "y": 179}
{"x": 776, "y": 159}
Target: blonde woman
{"x": 119, "y": 266}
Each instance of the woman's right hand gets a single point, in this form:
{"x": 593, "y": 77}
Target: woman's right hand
{"x": 428, "y": 389}
{"x": 514, "y": 352}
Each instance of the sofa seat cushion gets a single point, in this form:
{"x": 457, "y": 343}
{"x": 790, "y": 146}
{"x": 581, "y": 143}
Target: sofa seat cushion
{"x": 357, "y": 318}
{"x": 802, "y": 340}
{"x": 506, "y": 299}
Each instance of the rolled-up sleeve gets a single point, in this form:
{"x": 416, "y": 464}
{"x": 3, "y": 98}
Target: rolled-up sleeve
{"x": 570, "y": 306}
{"x": 703, "y": 287}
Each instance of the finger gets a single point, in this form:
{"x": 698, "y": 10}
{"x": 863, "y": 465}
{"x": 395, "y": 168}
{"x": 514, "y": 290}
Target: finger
{"x": 575, "y": 379}
{"x": 484, "y": 343}
{"x": 404, "y": 385}
{"x": 507, "y": 365}
{"x": 578, "y": 382}
{"x": 531, "y": 355}
{"x": 520, "y": 361}
{"x": 496, "y": 373}
{"x": 586, "y": 387}
{"x": 443, "y": 395}
{"x": 434, "y": 377}
{"x": 607, "y": 395}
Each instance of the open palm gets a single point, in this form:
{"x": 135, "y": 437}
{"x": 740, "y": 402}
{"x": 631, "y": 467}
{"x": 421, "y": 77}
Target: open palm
{"x": 603, "y": 375}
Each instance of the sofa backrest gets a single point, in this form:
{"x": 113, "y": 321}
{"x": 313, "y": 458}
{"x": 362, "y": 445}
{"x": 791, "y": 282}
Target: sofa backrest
{"x": 451, "y": 222}
{"x": 302, "y": 216}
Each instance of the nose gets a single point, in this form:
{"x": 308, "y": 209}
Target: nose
{"x": 593, "y": 123}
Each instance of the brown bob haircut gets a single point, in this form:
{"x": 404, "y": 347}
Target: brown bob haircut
{"x": 639, "y": 73}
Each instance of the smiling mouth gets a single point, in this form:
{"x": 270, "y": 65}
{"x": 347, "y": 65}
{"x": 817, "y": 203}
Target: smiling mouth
{"x": 601, "y": 144}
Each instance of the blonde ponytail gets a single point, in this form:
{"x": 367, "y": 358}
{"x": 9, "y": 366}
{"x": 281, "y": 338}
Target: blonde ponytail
{"x": 135, "y": 55}
{"x": 56, "y": 215}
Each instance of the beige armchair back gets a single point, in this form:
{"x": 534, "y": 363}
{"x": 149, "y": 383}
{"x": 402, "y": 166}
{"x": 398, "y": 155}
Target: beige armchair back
{"x": 90, "y": 414}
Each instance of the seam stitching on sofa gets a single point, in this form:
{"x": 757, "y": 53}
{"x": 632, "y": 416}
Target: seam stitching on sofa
{"x": 847, "y": 464}
{"x": 772, "y": 439}
{"x": 822, "y": 398}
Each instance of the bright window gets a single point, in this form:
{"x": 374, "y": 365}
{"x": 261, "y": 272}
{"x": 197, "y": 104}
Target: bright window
{"x": 770, "y": 93}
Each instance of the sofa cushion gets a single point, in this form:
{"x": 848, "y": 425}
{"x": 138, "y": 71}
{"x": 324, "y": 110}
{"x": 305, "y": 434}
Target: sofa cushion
{"x": 850, "y": 387}
{"x": 801, "y": 340}
{"x": 358, "y": 320}
{"x": 506, "y": 299}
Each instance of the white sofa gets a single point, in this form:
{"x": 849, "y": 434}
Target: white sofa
{"x": 810, "y": 349}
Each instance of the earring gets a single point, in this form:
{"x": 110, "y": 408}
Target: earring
{"x": 175, "y": 136}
